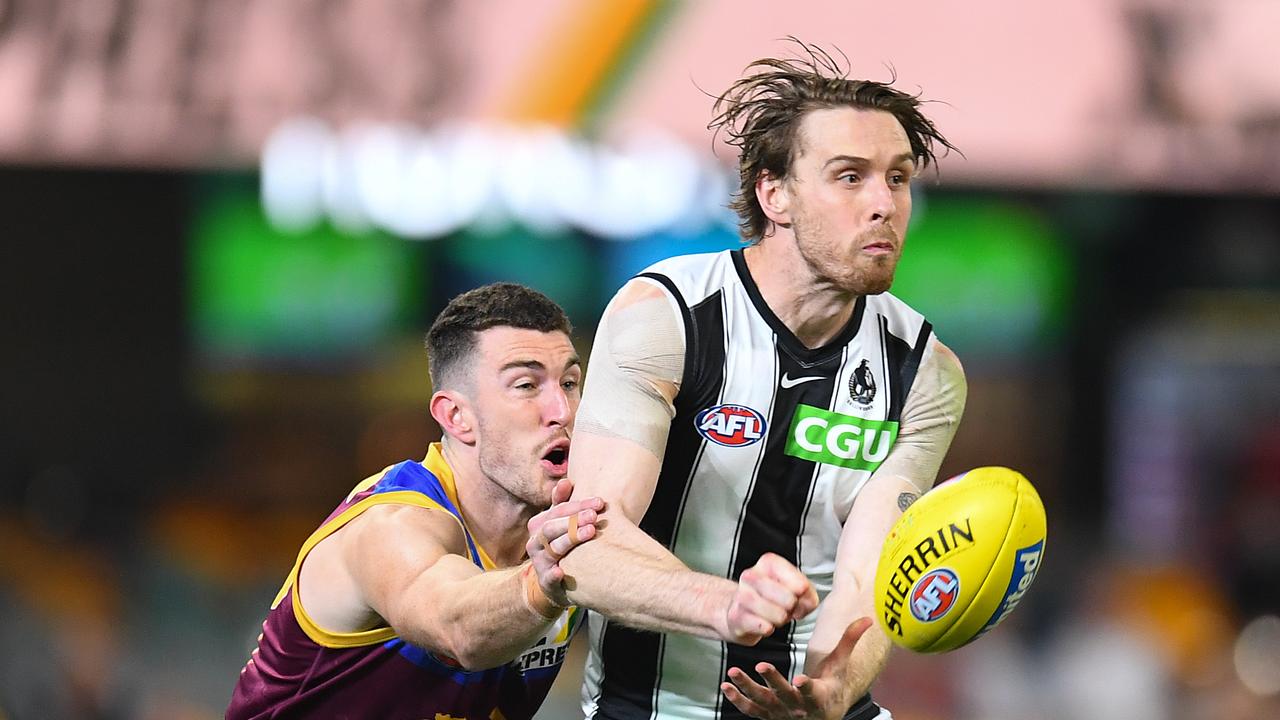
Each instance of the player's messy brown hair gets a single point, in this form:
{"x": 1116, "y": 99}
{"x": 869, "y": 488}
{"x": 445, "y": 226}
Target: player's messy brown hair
{"x": 761, "y": 114}
{"x": 453, "y": 336}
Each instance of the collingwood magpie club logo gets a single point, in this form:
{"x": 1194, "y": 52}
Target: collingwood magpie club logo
{"x": 862, "y": 385}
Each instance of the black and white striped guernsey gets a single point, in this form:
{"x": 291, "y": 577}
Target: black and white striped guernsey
{"x": 770, "y": 444}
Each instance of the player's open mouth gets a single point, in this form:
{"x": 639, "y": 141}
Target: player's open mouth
{"x": 556, "y": 460}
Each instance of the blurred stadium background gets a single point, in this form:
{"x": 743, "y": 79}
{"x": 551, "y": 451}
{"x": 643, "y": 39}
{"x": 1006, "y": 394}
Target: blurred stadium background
{"x": 227, "y": 224}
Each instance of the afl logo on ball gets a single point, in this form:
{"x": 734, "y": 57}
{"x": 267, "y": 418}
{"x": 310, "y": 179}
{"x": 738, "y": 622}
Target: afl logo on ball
{"x": 730, "y": 425}
{"x": 934, "y": 594}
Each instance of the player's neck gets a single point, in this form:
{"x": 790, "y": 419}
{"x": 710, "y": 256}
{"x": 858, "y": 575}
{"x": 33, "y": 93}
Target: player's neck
{"x": 813, "y": 310}
{"x": 496, "y": 520}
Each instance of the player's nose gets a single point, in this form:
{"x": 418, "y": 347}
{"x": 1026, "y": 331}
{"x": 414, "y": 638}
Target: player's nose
{"x": 557, "y": 408}
{"x": 882, "y": 205}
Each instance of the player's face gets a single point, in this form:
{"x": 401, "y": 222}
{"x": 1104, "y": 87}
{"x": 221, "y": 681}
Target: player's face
{"x": 527, "y": 388}
{"x": 850, "y": 191}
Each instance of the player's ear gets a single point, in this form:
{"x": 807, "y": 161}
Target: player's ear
{"x": 774, "y": 197}
{"x": 451, "y": 409}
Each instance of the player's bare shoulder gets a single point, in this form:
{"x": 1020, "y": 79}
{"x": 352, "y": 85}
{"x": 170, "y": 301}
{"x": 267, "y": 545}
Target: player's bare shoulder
{"x": 374, "y": 554}
{"x": 386, "y": 526}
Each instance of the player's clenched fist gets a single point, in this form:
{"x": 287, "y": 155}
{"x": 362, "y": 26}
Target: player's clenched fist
{"x": 770, "y": 594}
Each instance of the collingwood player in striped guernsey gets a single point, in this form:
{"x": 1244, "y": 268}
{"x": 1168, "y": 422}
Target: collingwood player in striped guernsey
{"x": 771, "y": 402}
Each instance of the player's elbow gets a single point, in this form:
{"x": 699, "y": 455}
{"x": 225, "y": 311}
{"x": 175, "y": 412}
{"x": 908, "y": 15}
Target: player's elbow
{"x": 439, "y": 631}
{"x": 473, "y": 659}
{"x": 453, "y": 645}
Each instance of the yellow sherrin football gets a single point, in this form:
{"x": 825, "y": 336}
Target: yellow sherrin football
{"x": 959, "y": 559}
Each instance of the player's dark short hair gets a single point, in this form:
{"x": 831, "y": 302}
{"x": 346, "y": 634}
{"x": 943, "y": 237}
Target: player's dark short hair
{"x": 761, "y": 113}
{"x": 453, "y": 336}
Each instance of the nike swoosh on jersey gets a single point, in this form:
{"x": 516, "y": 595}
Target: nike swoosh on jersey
{"x": 787, "y": 382}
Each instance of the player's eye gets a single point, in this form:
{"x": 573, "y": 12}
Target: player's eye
{"x": 849, "y": 178}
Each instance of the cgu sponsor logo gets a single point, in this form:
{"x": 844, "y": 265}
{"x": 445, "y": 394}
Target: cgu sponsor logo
{"x": 836, "y": 439}
{"x": 730, "y": 425}
{"x": 1025, "y": 565}
{"x": 928, "y": 551}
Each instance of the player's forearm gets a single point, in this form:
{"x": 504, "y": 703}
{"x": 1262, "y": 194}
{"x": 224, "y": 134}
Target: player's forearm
{"x": 628, "y": 577}
{"x": 867, "y": 661}
{"x": 868, "y": 657}
{"x": 482, "y": 621}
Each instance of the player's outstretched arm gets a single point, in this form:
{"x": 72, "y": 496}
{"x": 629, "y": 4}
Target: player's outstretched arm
{"x": 406, "y": 567}
{"x": 848, "y": 650}
{"x": 635, "y": 371}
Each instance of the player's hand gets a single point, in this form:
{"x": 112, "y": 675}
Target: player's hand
{"x": 770, "y": 594}
{"x": 822, "y": 696}
{"x": 550, "y": 538}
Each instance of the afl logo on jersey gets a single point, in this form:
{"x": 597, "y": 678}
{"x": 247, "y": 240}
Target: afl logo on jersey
{"x": 730, "y": 425}
{"x": 934, "y": 594}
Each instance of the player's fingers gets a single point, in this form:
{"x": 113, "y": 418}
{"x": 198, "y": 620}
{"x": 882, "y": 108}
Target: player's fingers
{"x": 535, "y": 546}
{"x": 771, "y": 591}
{"x": 551, "y": 576}
{"x": 749, "y": 688}
{"x": 562, "y": 490}
{"x": 564, "y": 510}
{"x": 561, "y": 526}
{"x": 807, "y": 690}
{"x": 790, "y": 577}
{"x": 778, "y": 683}
{"x": 799, "y": 584}
{"x": 740, "y": 701}
{"x": 583, "y": 530}
{"x": 806, "y": 603}
{"x": 745, "y": 626}
{"x": 815, "y": 693}
{"x": 567, "y": 532}
{"x": 770, "y": 613}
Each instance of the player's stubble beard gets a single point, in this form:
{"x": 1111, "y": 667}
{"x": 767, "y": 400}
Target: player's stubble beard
{"x": 512, "y": 469}
{"x": 858, "y": 275}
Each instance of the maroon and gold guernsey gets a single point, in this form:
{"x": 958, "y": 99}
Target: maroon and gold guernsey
{"x": 300, "y": 670}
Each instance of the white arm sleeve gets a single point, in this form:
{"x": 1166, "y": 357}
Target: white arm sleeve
{"x": 930, "y": 418}
{"x": 635, "y": 368}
